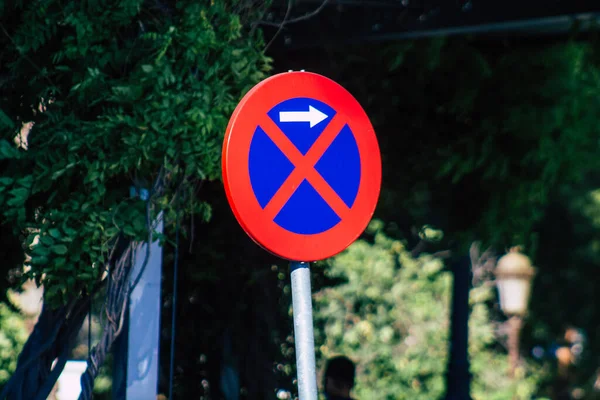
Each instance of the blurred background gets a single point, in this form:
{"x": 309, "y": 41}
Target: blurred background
{"x": 487, "y": 116}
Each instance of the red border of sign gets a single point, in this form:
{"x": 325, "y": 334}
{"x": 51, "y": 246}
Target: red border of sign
{"x": 236, "y": 177}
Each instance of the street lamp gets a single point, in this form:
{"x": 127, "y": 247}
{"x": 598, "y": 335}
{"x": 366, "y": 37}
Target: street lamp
{"x": 514, "y": 274}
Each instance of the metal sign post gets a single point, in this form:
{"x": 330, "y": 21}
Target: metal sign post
{"x": 302, "y": 174}
{"x": 303, "y": 331}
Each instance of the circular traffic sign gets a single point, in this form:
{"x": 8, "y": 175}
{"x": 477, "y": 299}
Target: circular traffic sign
{"x": 301, "y": 166}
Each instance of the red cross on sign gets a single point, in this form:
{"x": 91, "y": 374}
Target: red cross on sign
{"x": 301, "y": 166}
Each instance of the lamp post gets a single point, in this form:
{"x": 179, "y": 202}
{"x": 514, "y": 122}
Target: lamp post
{"x": 514, "y": 274}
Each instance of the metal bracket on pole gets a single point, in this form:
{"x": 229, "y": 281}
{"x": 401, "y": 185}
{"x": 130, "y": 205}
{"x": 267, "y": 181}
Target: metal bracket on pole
{"x": 303, "y": 331}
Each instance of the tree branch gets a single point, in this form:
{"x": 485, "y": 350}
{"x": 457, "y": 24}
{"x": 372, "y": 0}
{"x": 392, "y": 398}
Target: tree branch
{"x": 482, "y": 264}
{"x": 297, "y": 19}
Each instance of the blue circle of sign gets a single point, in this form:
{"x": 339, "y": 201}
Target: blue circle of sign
{"x": 303, "y": 120}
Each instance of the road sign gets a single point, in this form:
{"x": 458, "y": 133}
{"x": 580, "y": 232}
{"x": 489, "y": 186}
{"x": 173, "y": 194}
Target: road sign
{"x": 301, "y": 166}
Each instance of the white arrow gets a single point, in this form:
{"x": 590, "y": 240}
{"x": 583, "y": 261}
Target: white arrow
{"x": 313, "y": 116}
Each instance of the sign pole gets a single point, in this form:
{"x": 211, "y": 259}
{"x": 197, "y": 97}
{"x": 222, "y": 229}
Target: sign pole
{"x": 302, "y": 173}
{"x": 303, "y": 331}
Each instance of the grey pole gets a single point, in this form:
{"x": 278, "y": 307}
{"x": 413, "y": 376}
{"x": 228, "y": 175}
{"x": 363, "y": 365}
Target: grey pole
{"x": 303, "y": 331}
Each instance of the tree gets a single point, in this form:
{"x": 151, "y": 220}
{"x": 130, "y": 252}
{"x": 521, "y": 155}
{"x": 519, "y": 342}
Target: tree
{"x": 234, "y": 333}
{"x": 568, "y": 256}
{"x": 137, "y": 93}
{"x": 476, "y": 134}
{"x": 391, "y": 314}
{"x": 493, "y": 140}
{"x": 95, "y": 100}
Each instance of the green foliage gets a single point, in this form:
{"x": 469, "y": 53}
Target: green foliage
{"x": 121, "y": 93}
{"x": 476, "y": 135}
{"x": 391, "y": 316}
{"x": 12, "y": 337}
{"x": 492, "y": 140}
{"x": 563, "y": 293}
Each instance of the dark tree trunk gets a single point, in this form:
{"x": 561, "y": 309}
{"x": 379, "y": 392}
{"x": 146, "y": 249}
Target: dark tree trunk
{"x": 51, "y": 340}
{"x": 458, "y": 378}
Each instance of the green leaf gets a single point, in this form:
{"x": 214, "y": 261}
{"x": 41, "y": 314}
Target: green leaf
{"x": 46, "y": 240}
{"x": 26, "y": 181}
{"x": 58, "y": 174}
{"x": 5, "y": 120}
{"x": 139, "y": 224}
{"x": 39, "y": 260}
{"x": 5, "y": 181}
{"x": 7, "y": 150}
{"x": 60, "y": 262}
{"x": 60, "y": 249}
{"x": 68, "y": 230}
{"x": 30, "y": 239}
{"x": 19, "y": 196}
{"x": 54, "y": 232}
{"x": 40, "y": 250}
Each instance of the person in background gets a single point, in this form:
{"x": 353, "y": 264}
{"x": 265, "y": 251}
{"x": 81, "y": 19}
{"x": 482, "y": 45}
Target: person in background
{"x": 338, "y": 380}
